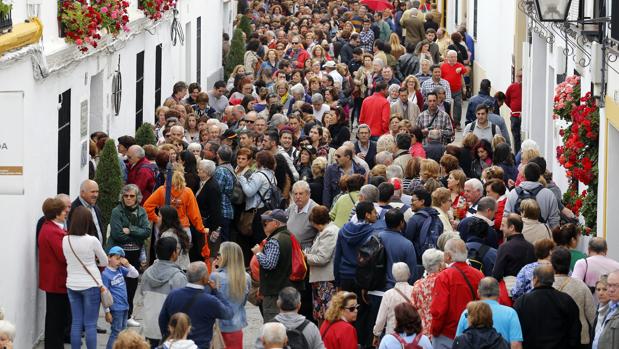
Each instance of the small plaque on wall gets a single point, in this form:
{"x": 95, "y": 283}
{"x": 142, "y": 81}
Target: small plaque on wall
{"x": 84, "y": 154}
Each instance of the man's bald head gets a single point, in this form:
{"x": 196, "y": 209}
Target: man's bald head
{"x": 135, "y": 153}
{"x": 89, "y": 191}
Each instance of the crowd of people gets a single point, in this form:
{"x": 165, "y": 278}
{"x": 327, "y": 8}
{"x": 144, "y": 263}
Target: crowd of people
{"x": 321, "y": 182}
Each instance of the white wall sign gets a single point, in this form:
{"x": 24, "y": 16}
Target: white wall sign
{"x": 84, "y": 119}
{"x": 12, "y": 144}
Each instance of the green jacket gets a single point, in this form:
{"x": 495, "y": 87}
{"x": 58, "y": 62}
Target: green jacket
{"x": 139, "y": 228}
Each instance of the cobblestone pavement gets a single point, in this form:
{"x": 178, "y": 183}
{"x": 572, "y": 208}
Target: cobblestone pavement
{"x": 250, "y": 333}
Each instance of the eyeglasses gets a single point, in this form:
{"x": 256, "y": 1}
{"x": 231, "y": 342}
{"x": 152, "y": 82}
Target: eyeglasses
{"x": 295, "y": 42}
{"x": 128, "y": 195}
{"x": 250, "y": 121}
{"x": 614, "y": 286}
{"x": 353, "y": 308}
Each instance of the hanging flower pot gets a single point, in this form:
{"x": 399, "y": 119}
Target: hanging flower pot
{"x": 154, "y": 9}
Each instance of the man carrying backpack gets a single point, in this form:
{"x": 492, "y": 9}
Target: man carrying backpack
{"x": 275, "y": 260}
{"x": 424, "y": 227}
{"x": 531, "y": 188}
{"x": 481, "y": 256}
{"x": 301, "y": 333}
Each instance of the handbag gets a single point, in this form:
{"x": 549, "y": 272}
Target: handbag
{"x": 106, "y": 296}
{"x": 245, "y": 222}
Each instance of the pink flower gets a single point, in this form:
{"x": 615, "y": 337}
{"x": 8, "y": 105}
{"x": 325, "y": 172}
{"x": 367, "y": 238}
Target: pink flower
{"x": 104, "y": 10}
{"x": 114, "y": 14}
{"x": 79, "y": 42}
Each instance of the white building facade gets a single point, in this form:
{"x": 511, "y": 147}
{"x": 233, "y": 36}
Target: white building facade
{"x": 506, "y": 40}
{"x": 54, "y": 97}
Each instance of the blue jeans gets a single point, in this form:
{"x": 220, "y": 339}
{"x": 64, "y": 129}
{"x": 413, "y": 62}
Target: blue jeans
{"x": 84, "y": 312}
{"x": 119, "y": 323}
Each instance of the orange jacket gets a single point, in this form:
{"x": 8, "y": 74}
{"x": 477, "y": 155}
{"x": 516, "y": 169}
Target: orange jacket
{"x": 185, "y": 203}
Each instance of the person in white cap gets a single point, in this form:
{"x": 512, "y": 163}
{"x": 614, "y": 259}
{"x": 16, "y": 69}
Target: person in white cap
{"x": 330, "y": 69}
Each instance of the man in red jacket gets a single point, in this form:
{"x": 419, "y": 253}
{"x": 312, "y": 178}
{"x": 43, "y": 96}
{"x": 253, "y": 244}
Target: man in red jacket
{"x": 375, "y": 111}
{"x": 513, "y": 99}
{"x": 454, "y": 288}
{"x": 453, "y": 72}
{"x": 140, "y": 171}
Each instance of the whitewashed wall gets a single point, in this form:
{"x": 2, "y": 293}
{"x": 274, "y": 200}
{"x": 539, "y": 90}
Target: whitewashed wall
{"x": 19, "y": 295}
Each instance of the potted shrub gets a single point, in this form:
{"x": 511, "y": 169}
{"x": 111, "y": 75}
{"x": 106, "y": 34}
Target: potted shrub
{"x": 6, "y": 22}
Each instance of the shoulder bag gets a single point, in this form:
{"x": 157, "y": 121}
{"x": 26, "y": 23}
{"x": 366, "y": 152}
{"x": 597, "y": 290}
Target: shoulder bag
{"x": 106, "y": 296}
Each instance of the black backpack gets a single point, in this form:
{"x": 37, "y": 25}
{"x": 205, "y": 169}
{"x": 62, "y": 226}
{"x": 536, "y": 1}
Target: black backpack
{"x": 492, "y": 128}
{"x": 431, "y": 229}
{"x": 524, "y": 194}
{"x": 476, "y": 257}
{"x": 296, "y": 339}
{"x": 371, "y": 271}
{"x": 238, "y": 196}
{"x": 274, "y": 199}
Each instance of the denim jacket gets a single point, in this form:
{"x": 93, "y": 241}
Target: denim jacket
{"x": 257, "y": 182}
{"x": 239, "y": 320}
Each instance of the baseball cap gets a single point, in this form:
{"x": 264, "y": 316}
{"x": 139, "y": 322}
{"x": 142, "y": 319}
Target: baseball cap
{"x": 277, "y": 215}
{"x": 116, "y": 250}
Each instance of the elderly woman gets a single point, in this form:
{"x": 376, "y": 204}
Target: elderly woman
{"x": 421, "y": 296}
{"x": 84, "y": 254}
{"x": 400, "y": 293}
{"x": 320, "y": 260}
{"x": 532, "y": 229}
{"x": 441, "y": 201}
{"x": 53, "y": 271}
{"x": 256, "y": 190}
{"x": 129, "y": 227}
{"x": 337, "y": 331}
{"x": 407, "y": 330}
{"x": 208, "y": 197}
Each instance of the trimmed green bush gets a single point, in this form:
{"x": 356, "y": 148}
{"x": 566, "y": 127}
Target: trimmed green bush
{"x": 237, "y": 52}
{"x": 245, "y": 25}
{"x": 110, "y": 181}
{"x": 145, "y": 134}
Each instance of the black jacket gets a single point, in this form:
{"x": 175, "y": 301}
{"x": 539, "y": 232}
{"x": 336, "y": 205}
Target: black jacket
{"x": 480, "y": 338}
{"x": 77, "y": 203}
{"x": 346, "y": 53}
{"x": 370, "y": 157}
{"x": 434, "y": 150}
{"x": 209, "y": 203}
{"x": 549, "y": 319}
{"x": 512, "y": 255}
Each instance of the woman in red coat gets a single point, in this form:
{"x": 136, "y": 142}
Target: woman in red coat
{"x": 53, "y": 273}
{"x": 337, "y": 331}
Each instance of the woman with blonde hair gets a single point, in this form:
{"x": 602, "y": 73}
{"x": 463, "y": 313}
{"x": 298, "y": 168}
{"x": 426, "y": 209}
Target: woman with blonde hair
{"x": 337, "y": 331}
{"x": 237, "y": 70}
{"x": 233, "y": 283}
{"x": 281, "y": 90}
{"x": 185, "y": 203}
{"x": 441, "y": 201}
{"x": 413, "y": 87}
{"x": 396, "y": 47}
{"x": 179, "y": 327}
{"x": 455, "y": 184}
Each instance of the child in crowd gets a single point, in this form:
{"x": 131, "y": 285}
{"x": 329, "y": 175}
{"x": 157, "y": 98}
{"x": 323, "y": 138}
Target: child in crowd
{"x": 114, "y": 279}
{"x": 179, "y": 327}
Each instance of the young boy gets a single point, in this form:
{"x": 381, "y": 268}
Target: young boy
{"x": 114, "y": 279}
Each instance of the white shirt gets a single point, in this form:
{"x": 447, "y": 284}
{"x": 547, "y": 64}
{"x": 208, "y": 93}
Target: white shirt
{"x": 91, "y": 208}
{"x": 87, "y": 248}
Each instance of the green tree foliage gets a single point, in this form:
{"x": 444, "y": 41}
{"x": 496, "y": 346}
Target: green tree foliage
{"x": 245, "y": 25}
{"x": 110, "y": 181}
{"x": 145, "y": 135}
{"x": 237, "y": 52}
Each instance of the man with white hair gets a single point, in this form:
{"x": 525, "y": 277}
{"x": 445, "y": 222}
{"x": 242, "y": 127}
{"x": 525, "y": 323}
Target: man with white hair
{"x": 473, "y": 191}
{"x": 298, "y": 214}
{"x": 385, "y": 320}
{"x": 384, "y": 158}
{"x": 298, "y": 94}
{"x": 454, "y": 72}
{"x": 140, "y": 171}
{"x": 454, "y": 288}
{"x": 319, "y": 107}
{"x": 610, "y": 327}
{"x": 202, "y": 304}
{"x": 89, "y": 193}
{"x": 274, "y": 335}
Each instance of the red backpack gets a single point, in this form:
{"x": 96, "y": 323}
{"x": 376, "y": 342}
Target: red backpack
{"x": 299, "y": 268}
{"x": 412, "y": 345}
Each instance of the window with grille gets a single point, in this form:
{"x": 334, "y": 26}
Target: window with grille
{"x": 139, "y": 89}
{"x": 64, "y": 143}
{"x": 158, "y": 62}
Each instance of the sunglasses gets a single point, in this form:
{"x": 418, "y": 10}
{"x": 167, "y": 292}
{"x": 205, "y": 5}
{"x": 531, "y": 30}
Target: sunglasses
{"x": 250, "y": 121}
{"x": 128, "y": 195}
{"x": 353, "y": 308}
{"x": 295, "y": 42}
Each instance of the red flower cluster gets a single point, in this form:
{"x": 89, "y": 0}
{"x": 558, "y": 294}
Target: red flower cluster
{"x": 579, "y": 152}
{"x": 83, "y": 22}
{"x": 154, "y": 9}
